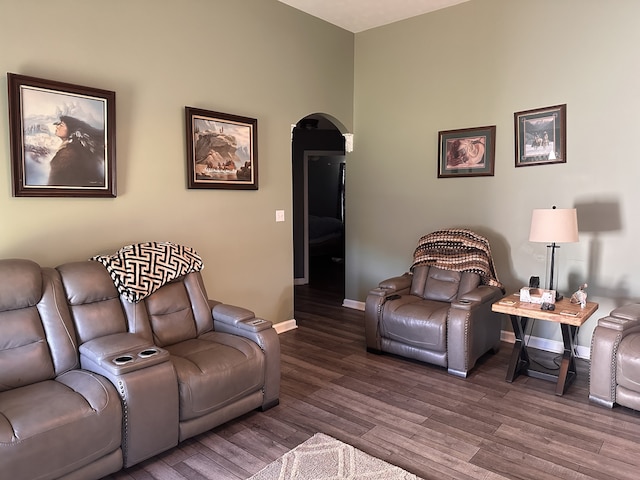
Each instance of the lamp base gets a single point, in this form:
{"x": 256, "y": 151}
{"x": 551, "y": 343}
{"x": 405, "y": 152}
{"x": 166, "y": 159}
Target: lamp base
{"x": 559, "y": 296}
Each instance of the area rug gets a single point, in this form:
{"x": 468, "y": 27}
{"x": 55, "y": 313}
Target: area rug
{"x": 324, "y": 457}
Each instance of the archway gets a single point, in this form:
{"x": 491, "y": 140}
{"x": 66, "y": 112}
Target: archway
{"x": 318, "y": 167}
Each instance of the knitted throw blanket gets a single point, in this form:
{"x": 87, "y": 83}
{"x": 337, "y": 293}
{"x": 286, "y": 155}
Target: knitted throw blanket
{"x": 140, "y": 269}
{"x": 458, "y": 250}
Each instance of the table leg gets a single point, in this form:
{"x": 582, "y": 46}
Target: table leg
{"x": 519, "y": 357}
{"x": 567, "y": 373}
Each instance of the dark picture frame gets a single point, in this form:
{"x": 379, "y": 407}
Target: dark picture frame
{"x": 222, "y": 150}
{"x": 541, "y": 136}
{"x": 467, "y": 152}
{"x": 62, "y": 139}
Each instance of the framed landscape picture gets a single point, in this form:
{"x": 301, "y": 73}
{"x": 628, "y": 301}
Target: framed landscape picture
{"x": 62, "y": 139}
{"x": 540, "y": 136}
{"x": 468, "y": 152}
{"x": 222, "y": 150}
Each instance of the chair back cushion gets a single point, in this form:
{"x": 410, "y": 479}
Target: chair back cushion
{"x": 93, "y": 300}
{"x": 433, "y": 283}
{"x": 178, "y": 311}
{"x": 37, "y": 341}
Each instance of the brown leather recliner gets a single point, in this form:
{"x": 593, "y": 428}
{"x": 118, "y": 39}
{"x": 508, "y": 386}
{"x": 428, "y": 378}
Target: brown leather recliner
{"x": 614, "y": 375}
{"x": 437, "y": 315}
{"x": 56, "y": 419}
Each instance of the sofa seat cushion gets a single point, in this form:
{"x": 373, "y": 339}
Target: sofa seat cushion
{"x": 214, "y": 370}
{"x": 628, "y": 363}
{"x": 54, "y": 427}
{"x": 416, "y": 322}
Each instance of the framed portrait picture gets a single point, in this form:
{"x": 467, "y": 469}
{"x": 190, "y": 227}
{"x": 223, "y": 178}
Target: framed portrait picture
{"x": 222, "y": 150}
{"x": 540, "y": 136}
{"x": 468, "y": 152}
{"x": 62, "y": 139}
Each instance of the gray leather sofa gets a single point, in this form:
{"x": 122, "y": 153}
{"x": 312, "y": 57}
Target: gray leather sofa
{"x": 614, "y": 375}
{"x": 90, "y": 383}
{"x": 435, "y": 316}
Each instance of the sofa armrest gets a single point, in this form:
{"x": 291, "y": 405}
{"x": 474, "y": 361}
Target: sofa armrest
{"x": 481, "y": 294}
{"x": 238, "y": 317}
{"x": 605, "y": 341}
{"x": 395, "y": 284}
{"x": 473, "y": 328}
{"x": 121, "y": 353}
{"x": 374, "y": 302}
{"x": 242, "y": 322}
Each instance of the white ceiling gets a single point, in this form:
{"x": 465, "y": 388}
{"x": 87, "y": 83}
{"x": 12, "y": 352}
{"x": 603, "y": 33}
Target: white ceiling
{"x": 359, "y": 15}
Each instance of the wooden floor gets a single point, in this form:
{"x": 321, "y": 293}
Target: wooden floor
{"x": 415, "y": 416}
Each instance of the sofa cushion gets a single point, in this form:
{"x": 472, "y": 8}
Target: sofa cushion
{"x": 65, "y": 424}
{"x": 93, "y": 300}
{"x": 416, "y": 322}
{"x": 628, "y": 363}
{"x": 24, "y": 353}
{"x": 170, "y": 315}
{"x": 214, "y": 370}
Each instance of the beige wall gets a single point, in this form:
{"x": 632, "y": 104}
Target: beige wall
{"x": 255, "y": 58}
{"x": 473, "y": 65}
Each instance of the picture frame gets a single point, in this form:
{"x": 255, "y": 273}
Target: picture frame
{"x": 62, "y": 139}
{"x": 467, "y": 152}
{"x": 222, "y": 150}
{"x": 540, "y": 136}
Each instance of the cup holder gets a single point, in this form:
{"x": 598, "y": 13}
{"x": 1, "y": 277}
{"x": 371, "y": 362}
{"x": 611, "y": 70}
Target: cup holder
{"x": 149, "y": 352}
{"x": 123, "y": 359}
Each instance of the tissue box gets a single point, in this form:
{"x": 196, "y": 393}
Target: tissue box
{"x": 537, "y": 295}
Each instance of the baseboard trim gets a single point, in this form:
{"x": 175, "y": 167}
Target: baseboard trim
{"x": 353, "y": 304}
{"x": 285, "y": 326}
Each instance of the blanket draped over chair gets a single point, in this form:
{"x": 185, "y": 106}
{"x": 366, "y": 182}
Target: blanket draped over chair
{"x": 140, "y": 269}
{"x": 458, "y": 250}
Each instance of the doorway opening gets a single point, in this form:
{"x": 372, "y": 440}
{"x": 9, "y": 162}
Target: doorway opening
{"x": 319, "y": 172}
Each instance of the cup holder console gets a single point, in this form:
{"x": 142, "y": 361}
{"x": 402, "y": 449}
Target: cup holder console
{"x": 149, "y": 352}
{"x": 131, "y": 360}
{"x": 123, "y": 359}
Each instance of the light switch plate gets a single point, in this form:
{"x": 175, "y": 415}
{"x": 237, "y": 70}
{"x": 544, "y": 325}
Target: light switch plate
{"x": 279, "y": 215}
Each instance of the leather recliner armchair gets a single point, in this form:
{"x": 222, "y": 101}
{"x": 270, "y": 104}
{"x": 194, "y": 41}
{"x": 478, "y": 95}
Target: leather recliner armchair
{"x": 614, "y": 375}
{"x": 436, "y": 315}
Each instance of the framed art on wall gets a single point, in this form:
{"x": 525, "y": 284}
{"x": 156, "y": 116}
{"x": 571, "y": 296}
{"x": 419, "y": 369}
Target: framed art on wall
{"x": 62, "y": 139}
{"x": 540, "y": 136}
{"x": 222, "y": 150}
{"x": 468, "y": 152}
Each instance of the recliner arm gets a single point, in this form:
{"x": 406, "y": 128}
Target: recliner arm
{"x": 242, "y": 322}
{"x": 472, "y": 328}
{"x": 395, "y": 284}
{"x": 399, "y": 285}
{"x": 605, "y": 341}
{"x": 119, "y": 354}
{"x": 482, "y": 294}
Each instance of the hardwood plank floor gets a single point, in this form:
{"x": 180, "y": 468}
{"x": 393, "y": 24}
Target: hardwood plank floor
{"x": 412, "y": 415}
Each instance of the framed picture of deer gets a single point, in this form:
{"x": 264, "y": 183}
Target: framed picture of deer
{"x": 541, "y": 136}
{"x": 222, "y": 150}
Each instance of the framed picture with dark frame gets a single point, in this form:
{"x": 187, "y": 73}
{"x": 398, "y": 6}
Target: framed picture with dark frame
{"x": 222, "y": 150}
{"x": 62, "y": 139}
{"x": 468, "y": 152}
{"x": 540, "y": 136}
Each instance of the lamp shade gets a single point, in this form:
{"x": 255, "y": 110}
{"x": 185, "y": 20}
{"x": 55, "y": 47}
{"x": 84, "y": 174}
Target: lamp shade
{"x": 554, "y": 225}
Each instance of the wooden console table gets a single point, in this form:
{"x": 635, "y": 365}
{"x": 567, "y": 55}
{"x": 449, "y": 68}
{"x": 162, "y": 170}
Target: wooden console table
{"x": 569, "y": 315}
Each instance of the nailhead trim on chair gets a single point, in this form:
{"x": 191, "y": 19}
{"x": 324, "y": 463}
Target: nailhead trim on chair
{"x": 125, "y": 420}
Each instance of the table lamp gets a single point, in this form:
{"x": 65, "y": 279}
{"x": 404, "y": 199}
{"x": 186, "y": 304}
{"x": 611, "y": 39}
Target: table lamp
{"x": 552, "y": 226}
